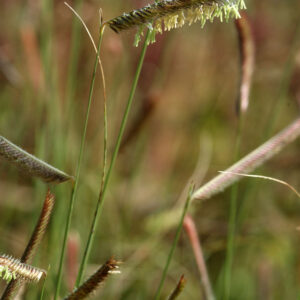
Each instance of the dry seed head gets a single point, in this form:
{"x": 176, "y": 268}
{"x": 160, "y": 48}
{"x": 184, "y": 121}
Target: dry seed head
{"x": 11, "y": 268}
{"x": 91, "y": 284}
{"x": 168, "y": 14}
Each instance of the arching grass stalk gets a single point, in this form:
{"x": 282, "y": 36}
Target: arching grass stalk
{"x": 104, "y": 186}
{"x": 75, "y": 187}
{"x": 74, "y": 58}
{"x": 175, "y": 242}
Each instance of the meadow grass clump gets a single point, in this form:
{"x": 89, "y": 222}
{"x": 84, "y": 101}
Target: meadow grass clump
{"x": 195, "y": 87}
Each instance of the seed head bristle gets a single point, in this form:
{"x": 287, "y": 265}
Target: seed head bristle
{"x": 168, "y": 14}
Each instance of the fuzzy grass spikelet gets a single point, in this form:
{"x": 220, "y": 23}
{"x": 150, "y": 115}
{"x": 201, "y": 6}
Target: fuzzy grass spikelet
{"x": 11, "y": 268}
{"x": 168, "y": 14}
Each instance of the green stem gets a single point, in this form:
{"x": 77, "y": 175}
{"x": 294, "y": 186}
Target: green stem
{"x": 175, "y": 242}
{"x": 102, "y": 193}
{"x": 232, "y": 220}
{"x": 75, "y": 188}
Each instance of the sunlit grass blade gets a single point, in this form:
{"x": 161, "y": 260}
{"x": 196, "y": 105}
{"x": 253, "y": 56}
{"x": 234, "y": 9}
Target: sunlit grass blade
{"x": 266, "y": 178}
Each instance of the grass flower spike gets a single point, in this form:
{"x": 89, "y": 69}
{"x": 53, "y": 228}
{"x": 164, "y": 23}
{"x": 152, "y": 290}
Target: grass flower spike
{"x": 168, "y": 14}
{"x": 30, "y": 164}
{"x": 91, "y": 284}
{"x": 33, "y": 244}
{"x": 11, "y": 268}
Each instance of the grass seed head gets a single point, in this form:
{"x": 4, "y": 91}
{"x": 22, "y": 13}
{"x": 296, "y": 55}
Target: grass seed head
{"x": 169, "y": 14}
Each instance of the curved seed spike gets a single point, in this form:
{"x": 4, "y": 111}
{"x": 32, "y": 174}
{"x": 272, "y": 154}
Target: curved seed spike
{"x": 250, "y": 162}
{"x": 30, "y": 164}
{"x": 34, "y": 242}
{"x": 11, "y": 268}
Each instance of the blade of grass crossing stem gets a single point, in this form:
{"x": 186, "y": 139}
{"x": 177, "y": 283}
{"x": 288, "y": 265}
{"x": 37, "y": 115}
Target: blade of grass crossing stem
{"x": 74, "y": 191}
{"x": 232, "y": 219}
{"x": 102, "y": 193}
{"x": 175, "y": 242}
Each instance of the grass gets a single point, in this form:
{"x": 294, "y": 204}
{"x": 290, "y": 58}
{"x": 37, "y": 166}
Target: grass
{"x": 186, "y": 91}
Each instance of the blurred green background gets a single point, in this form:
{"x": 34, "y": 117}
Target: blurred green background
{"x": 183, "y": 115}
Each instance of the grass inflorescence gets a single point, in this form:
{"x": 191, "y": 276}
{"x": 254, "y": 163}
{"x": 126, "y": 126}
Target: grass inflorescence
{"x": 30, "y": 164}
{"x": 11, "y": 268}
{"x": 169, "y": 14}
{"x": 94, "y": 281}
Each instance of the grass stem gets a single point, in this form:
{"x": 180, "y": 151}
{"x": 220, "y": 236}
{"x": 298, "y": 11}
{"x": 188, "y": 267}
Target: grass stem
{"x": 175, "y": 242}
{"x": 102, "y": 193}
{"x": 232, "y": 219}
{"x": 75, "y": 187}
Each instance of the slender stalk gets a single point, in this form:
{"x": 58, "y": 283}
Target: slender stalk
{"x": 232, "y": 219}
{"x": 75, "y": 187}
{"x": 175, "y": 242}
{"x": 230, "y": 242}
{"x": 43, "y": 290}
{"x": 103, "y": 190}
